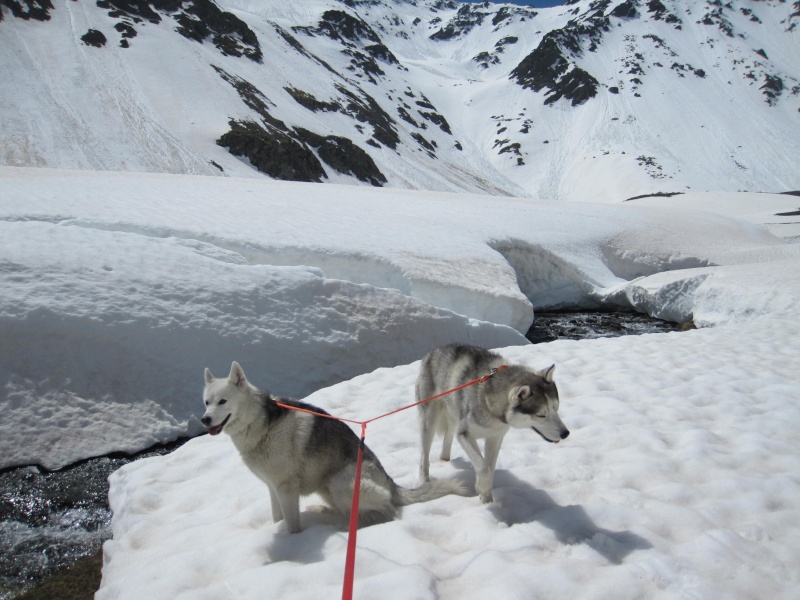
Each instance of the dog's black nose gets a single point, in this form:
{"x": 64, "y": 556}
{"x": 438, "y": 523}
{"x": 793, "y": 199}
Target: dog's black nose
{"x": 206, "y": 421}
{"x": 565, "y": 434}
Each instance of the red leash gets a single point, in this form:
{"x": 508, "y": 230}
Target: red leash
{"x": 350, "y": 558}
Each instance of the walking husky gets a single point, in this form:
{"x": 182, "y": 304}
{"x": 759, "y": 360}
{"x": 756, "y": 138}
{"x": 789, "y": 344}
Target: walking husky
{"x": 512, "y": 397}
{"x": 297, "y": 454}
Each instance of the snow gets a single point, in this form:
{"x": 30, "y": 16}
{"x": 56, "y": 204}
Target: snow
{"x": 120, "y": 283}
{"x": 68, "y": 105}
{"x": 679, "y": 478}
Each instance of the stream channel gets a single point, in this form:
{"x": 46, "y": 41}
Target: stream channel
{"x": 49, "y": 520}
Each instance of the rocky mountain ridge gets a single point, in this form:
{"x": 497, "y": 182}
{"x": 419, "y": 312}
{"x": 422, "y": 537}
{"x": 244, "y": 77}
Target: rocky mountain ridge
{"x": 428, "y": 94}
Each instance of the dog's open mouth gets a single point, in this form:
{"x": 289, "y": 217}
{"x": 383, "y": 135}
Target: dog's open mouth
{"x": 545, "y": 438}
{"x": 218, "y": 428}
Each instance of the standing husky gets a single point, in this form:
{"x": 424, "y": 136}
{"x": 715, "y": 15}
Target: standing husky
{"x": 297, "y": 454}
{"x": 512, "y": 397}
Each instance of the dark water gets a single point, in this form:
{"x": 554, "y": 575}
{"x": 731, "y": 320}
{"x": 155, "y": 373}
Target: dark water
{"x": 49, "y": 520}
{"x": 551, "y": 326}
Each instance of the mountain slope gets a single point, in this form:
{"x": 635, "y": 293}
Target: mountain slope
{"x": 671, "y": 96}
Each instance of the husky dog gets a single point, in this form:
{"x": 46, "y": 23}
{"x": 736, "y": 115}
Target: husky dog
{"x": 297, "y": 454}
{"x": 512, "y": 397}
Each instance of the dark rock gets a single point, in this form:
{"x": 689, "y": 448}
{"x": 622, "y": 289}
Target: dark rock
{"x": 548, "y": 67}
{"x": 366, "y": 110}
{"x": 197, "y": 20}
{"x": 467, "y": 18}
{"x": 506, "y": 41}
{"x": 717, "y": 17}
{"x": 660, "y": 12}
{"x": 383, "y": 53}
{"x": 342, "y": 155}
{"x": 365, "y": 64}
{"x": 231, "y": 35}
{"x": 407, "y": 117}
{"x": 772, "y": 88}
{"x": 311, "y": 103}
{"x": 253, "y": 97}
{"x": 655, "y": 195}
{"x": 484, "y": 59}
{"x": 338, "y": 24}
{"x": 126, "y": 30}
{"x": 38, "y": 10}
{"x": 428, "y": 146}
{"x": 749, "y": 13}
{"x": 94, "y": 38}
{"x": 438, "y": 120}
{"x": 138, "y": 9}
{"x": 626, "y": 10}
{"x": 273, "y": 152}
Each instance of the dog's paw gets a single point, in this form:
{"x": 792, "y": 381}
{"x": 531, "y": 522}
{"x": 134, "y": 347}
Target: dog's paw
{"x": 321, "y": 509}
{"x": 486, "y": 498}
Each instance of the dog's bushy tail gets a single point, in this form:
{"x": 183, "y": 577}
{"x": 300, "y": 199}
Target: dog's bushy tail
{"x": 431, "y": 490}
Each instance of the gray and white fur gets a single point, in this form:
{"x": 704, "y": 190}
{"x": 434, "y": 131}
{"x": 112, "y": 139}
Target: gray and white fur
{"x": 297, "y": 454}
{"x": 513, "y": 397}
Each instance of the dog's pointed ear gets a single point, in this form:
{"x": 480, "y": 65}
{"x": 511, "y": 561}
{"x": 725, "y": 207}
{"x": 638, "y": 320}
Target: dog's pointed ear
{"x": 237, "y": 377}
{"x": 547, "y": 374}
{"x": 209, "y": 377}
{"x": 518, "y": 394}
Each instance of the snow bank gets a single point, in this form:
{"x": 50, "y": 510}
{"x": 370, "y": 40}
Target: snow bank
{"x": 119, "y": 288}
{"x": 105, "y": 334}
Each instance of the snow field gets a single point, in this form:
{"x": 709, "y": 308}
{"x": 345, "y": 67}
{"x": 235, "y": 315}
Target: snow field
{"x": 679, "y": 479}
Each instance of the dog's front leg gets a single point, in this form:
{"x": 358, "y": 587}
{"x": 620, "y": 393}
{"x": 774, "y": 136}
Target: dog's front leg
{"x": 289, "y": 501}
{"x": 483, "y": 480}
{"x": 491, "y": 450}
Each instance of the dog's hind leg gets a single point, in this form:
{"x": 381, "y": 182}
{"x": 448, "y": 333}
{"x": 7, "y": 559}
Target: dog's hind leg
{"x": 375, "y": 500}
{"x": 447, "y": 442}
{"x": 427, "y": 427}
{"x": 277, "y": 514}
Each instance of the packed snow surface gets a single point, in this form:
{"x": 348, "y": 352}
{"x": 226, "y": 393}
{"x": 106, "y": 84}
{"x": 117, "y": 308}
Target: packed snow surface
{"x": 680, "y": 478}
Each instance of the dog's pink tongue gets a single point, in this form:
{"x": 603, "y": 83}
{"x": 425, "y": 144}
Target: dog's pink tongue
{"x": 214, "y": 430}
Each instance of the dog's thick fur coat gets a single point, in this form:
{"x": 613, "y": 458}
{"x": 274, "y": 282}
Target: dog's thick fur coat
{"x": 297, "y": 454}
{"x": 513, "y": 397}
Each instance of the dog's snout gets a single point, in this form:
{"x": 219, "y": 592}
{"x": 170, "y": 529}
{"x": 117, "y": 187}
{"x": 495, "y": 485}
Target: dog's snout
{"x": 206, "y": 421}
{"x": 565, "y": 434}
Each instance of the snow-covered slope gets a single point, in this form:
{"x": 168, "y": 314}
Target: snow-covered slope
{"x": 438, "y": 95}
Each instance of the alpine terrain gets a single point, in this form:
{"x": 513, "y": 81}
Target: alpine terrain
{"x": 669, "y": 96}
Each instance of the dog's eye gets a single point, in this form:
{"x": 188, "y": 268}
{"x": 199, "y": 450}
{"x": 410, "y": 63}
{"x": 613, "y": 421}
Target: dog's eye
{"x": 540, "y": 416}
{"x": 221, "y": 402}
